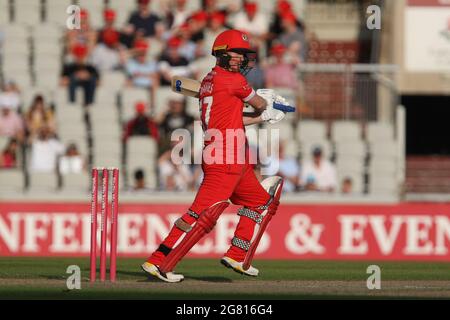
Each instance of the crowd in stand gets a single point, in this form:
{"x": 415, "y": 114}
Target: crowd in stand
{"x": 150, "y": 49}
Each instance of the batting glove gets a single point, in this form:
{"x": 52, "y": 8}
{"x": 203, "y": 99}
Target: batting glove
{"x": 270, "y": 114}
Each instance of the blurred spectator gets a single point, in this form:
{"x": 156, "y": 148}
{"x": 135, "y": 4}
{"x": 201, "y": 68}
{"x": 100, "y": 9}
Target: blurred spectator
{"x": 197, "y": 25}
{"x": 178, "y": 15}
{"x": 172, "y": 63}
{"x": 188, "y": 48}
{"x": 38, "y": 116}
{"x": 109, "y": 19}
{"x": 10, "y": 95}
{"x": 145, "y": 21}
{"x": 174, "y": 177}
{"x": 175, "y": 118}
{"x": 293, "y": 38}
{"x": 141, "y": 71}
{"x": 71, "y": 161}
{"x": 215, "y": 27}
{"x": 11, "y": 123}
{"x": 347, "y": 185}
{"x": 280, "y": 73}
{"x": 289, "y": 170}
{"x": 80, "y": 74}
{"x": 86, "y": 35}
{"x": 318, "y": 174}
{"x": 275, "y": 28}
{"x": 45, "y": 151}
{"x": 284, "y": 166}
{"x": 8, "y": 157}
{"x": 109, "y": 53}
{"x": 141, "y": 124}
{"x": 256, "y": 76}
{"x": 252, "y": 22}
{"x": 139, "y": 181}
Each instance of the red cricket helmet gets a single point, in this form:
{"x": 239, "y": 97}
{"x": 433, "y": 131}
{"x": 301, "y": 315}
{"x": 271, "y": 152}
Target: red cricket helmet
{"x": 236, "y": 41}
{"x": 232, "y": 40}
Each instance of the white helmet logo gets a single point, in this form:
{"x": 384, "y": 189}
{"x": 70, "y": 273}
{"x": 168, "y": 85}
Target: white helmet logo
{"x": 244, "y": 37}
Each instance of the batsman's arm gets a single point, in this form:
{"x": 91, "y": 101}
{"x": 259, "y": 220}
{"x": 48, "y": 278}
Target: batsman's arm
{"x": 259, "y": 104}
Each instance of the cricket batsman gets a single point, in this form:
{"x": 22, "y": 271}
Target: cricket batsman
{"x": 228, "y": 175}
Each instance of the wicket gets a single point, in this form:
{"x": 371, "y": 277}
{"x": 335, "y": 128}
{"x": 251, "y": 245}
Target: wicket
{"x": 104, "y": 222}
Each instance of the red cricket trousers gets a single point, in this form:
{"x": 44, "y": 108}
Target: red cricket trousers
{"x": 237, "y": 183}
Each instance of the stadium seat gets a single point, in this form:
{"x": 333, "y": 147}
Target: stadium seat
{"x": 107, "y": 146}
{"x": 383, "y": 149}
{"x": 71, "y": 128}
{"x": 16, "y": 63}
{"x": 103, "y": 114}
{"x": 49, "y": 49}
{"x": 3, "y": 141}
{"x": 383, "y": 185}
{"x": 350, "y": 164}
{"x": 291, "y": 149}
{"x": 56, "y": 11}
{"x": 383, "y": 167}
{"x": 43, "y": 182}
{"x": 27, "y": 12}
{"x": 46, "y": 32}
{"x": 4, "y": 13}
{"x": 286, "y": 130}
{"x": 379, "y": 131}
{"x": 47, "y": 66}
{"x": 11, "y": 180}
{"x": 108, "y": 161}
{"x": 345, "y": 131}
{"x": 106, "y": 130}
{"x": 355, "y": 148}
{"x": 15, "y": 48}
{"x": 23, "y": 80}
{"x": 123, "y": 10}
{"x": 192, "y": 107}
{"x": 141, "y": 146}
{"x": 112, "y": 80}
{"x": 307, "y": 147}
{"x": 162, "y": 97}
{"x": 310, "y": 129}
{"x": 76, "y": 182}
{"x": 72, "y": 113}
{"x": 129, "y": 96}
{"x": 47, "y": 80}
{"x": 95, "y": 9}
{"x": 16, "y": 32}
{"x": 106, "y": 96}
{"x": 155, "y": 49}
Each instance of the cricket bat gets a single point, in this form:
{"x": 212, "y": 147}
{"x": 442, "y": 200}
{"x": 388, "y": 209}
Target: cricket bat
{"x": 186, "y": 86}
{"x": 191, "y": 88}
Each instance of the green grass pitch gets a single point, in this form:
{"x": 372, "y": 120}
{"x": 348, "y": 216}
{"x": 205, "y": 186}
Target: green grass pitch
{"x": 31, "y": 278}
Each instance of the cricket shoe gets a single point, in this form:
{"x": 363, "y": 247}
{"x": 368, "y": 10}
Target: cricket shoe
{"x": 238, "y": 267}
{"x": 153, "y": 270}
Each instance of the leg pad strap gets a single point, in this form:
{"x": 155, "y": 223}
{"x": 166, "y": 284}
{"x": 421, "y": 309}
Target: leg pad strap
{"x": 243, "y": 244}
{"x": 183, "y": 225}
{"x": 246, "y": 212}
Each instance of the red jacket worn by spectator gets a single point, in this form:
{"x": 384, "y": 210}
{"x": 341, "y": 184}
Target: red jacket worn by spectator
{"x": 141, "y": 124}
